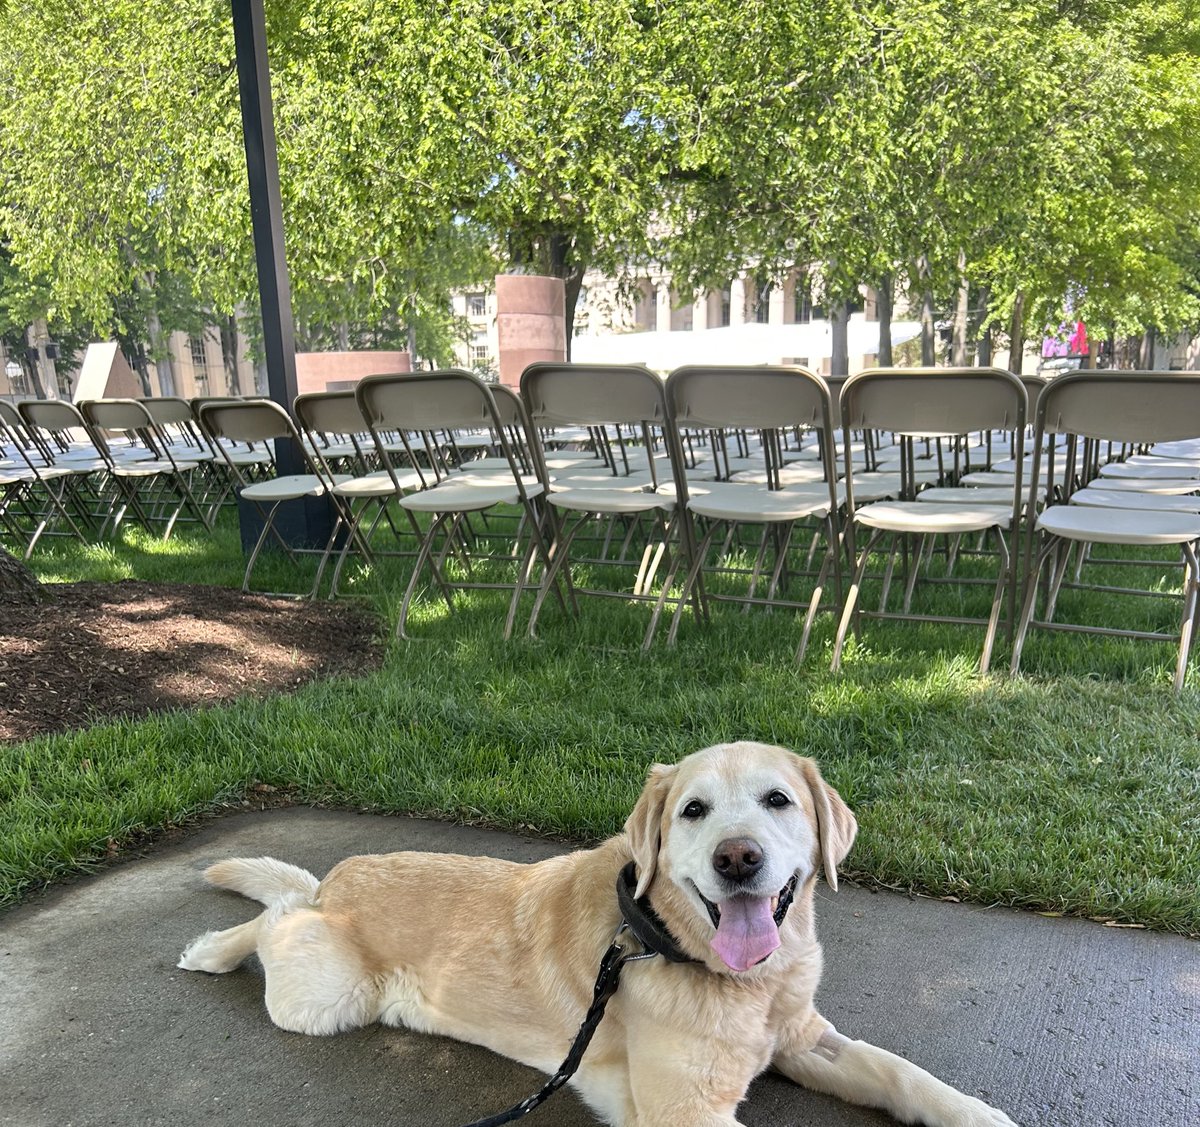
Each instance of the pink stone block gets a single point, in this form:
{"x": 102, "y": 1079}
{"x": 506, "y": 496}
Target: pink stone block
{"x": 530, "y": 323}
{"x": 339, "y": 371}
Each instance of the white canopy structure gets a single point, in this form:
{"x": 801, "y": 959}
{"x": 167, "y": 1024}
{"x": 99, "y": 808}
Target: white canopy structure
{"x": 751, "y": 343}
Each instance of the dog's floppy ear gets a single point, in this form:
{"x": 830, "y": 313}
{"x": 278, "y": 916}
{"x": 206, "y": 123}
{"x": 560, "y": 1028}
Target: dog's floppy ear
{"x": 835, "y": 822}
{"x": 644, "y": 825}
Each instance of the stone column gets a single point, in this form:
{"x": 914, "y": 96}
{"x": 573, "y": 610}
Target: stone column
{"x": 662, "y": 298}
{"x": 530, "y": 323}
{"x": 737, "y": 301}
{"x": 700, "y": 312}
{"x": 776, "y": 305}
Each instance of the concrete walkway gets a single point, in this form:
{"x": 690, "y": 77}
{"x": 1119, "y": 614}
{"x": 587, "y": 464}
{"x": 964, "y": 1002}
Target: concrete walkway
{"x": 1059, "y": 1022}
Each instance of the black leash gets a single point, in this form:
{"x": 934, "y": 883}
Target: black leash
{"x": 639, "y": 918}
{"x": 606, "y": 986}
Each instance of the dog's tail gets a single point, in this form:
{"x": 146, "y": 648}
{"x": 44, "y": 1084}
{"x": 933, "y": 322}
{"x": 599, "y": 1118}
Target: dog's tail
{"x": 263, "y": 879}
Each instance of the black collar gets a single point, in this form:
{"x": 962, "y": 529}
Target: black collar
{"x": 652, "y": 933}
{"x": 644, "y": 922}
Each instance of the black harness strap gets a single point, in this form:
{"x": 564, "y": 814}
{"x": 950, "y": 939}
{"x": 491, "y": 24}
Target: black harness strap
{"x": 606, "y": 985}
{"x": 644, "y": 921}
{"x": 638, "y": 917}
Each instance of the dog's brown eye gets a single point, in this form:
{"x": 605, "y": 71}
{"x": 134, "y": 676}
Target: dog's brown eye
{"x": 778, "y": 799}
{"x": 695, "y": 809}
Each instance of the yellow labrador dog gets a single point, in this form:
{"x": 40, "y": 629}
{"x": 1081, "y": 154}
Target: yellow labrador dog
{"x": 725, "y": 848}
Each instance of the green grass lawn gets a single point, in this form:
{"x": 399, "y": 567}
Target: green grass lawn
{"x": 1072, "y": 788}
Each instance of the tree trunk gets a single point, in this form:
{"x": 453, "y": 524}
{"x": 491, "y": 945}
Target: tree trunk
{"x": 229, "y": 343}
{"x": 1016, "y": 335}
{"x": 983, "y": 331}
{"x": 958, "y": 339}
{"x": 883, "y": 306}
{"x": 161, "y": 351}
{"x": 143, "y": 368}
{"x": 40, "y": 331}
{"x": 928, "y": 342}
{"x": 17, "y": 581}
{"x": 983, "y": 349}
{"x": 1146, "y": 351}
{"x": 839, "y": 331}
{"x": 35, "y": 376}
{"x": 572, "y": 286}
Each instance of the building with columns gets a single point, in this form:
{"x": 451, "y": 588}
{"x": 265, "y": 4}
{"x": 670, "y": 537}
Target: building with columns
{"x": 751, "y": 320}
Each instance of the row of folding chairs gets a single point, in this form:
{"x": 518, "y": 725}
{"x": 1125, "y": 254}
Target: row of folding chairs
{"x": 746, "y": 485}
{"x": 613, "y": 465}
{"x": 82, "y": 470}
{"x": 717, "y": 484}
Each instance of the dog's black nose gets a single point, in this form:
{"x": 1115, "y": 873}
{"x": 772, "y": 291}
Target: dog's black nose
{"x": 738, "y": 858}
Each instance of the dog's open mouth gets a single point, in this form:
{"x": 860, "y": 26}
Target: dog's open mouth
{"x": 748, "y": 926}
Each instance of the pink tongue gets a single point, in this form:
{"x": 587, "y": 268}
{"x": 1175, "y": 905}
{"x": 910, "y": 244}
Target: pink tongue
{"x": 747, "y": 933}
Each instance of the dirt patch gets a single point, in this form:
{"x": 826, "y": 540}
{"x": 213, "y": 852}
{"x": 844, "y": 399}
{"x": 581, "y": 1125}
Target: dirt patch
{"x": 97, "y": 650}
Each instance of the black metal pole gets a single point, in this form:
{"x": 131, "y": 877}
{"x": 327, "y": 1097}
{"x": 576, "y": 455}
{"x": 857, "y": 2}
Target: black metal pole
{"x": 266, "y": 212}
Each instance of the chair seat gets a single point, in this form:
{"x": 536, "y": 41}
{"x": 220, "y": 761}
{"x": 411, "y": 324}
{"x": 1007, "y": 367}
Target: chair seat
{"x": 982, "y": 479}
{"x": 1169, "y": 470}
{"x": 1116, "y": 499}
{"x": 580, "y": 462}
{"x": 1153, "y": 484}
{"x": 1184, "y": 448}
{"x": 78, "y": 464}
{"x": 873, "y": 486}
{"x": 915, "y": 517}
{"x": 1119, "y": 526}
{"x": 754, "y": 503}
{"x": 150, "y": 469}
{"x": 1158, "y": 461}
{"x": 792, "y": 474}
{"x": 468, "y": 494}
{"x": 987, "y": 495}
{"x": 289, "y": 487}
{"x": 611, "y": 501}
{"x": 636, "y": 482}
{"x": 378, "y": 484}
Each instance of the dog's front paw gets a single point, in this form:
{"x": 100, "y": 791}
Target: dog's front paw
{"x": 975, "y": 1113}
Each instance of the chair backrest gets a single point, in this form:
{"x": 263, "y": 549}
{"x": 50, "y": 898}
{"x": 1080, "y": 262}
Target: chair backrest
{"x": 447, "y": 399}
{"x": 51, "y": 414}
{"x": 330, "y": 412}
{"x": 933, "y": 402}
{"x": 168, "y": 410}
{"x": 11, "y": 421}
{"x": 116, "y": 415}
{"x": 592, "y": 395}
{"x": 1135, "y": 407}
{"x": 246, "y": 420}
{"x": 1034, "y": 386}
{"x": 756, "y": 398}
{"x": 14, "y": 432}
{"x": 601, "y": 396}
{"x": 760, "y": 398}
{"x": 53, "y": 425}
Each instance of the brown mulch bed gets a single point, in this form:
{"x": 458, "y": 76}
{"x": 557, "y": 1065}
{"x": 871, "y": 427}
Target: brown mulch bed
{"x": 96, "y": 650}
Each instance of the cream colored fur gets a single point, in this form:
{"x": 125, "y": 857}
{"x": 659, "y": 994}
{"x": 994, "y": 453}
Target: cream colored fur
{"x": 505, "y": 955}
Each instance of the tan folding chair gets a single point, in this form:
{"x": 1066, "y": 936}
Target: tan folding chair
{"x": 917, "y": 404}
{"x": 335, "y": 431}
{"x": 40, "y": 496}
{"x": 1109, "y": 407}
{"x": 770, "y": 404}
{"x": 630, "y": 523}
{"x": 416, "y": 412}
{"x": 236, "y": 424}
{"x": 63, "y": 440}
{"x": 147, "y": 477}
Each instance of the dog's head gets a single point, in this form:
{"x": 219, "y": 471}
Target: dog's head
{"x": 737, "y": 828}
